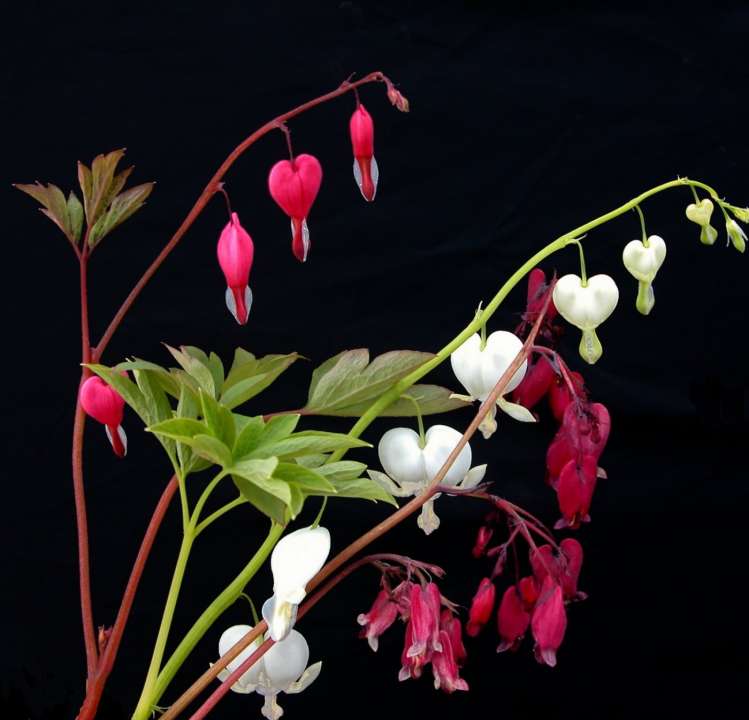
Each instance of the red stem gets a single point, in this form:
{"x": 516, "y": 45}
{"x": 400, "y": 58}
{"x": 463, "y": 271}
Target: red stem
{"x": 211, "y": 188}
{"x": 79, "y": 494}
{"x": 106, "y": 662}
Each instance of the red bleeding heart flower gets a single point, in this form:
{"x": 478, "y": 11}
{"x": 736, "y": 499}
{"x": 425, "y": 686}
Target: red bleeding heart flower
{"x": 577, "y": 482}
{"x": 560, "y": 396}
{"x": 294, "y": 184}
{"x": 445, "y": 666}
{"x": 514, "y": 615}
{"x": 483, "y": 538}
{"x": 549, "y": 622}
{"x": 380, "y": 617}
{"x": 564, "y": 567}
{"x": 366, "y": 172}
{"x": 104, "y": 404}
{"x": 235, "y": 252}
{"x": 452, "y": 626}
{"x": 481, "y": 607}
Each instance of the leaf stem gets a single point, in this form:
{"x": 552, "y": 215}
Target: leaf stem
{"x": 203, "y": 524}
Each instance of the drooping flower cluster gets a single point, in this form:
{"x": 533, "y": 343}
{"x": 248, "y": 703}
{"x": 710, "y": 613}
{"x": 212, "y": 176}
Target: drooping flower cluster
{"x": 433, "y": 633}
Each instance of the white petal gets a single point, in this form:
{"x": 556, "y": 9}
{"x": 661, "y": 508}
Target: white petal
{"x": 441, "y": 441}
{"x": 386, "y": 482}
{"x": 502, "y": 348}
{"x": 585, "y": 307}
{"x": 428, "y": 520}
{"x": 228, "y": 639}
{"x": 516, "y": 411}
{"x": 296, "y": 559}
{"x": 279, "y": 616}
{"x": 488, "y": 425}
{"x": 271, "y": 709}
{"x": 473, "y": 477}
{"x": 401, "y": 457}
{"x": 374, "y": 171}
{"x": 308, "y": 677}
{"x": 286, "y": 660}
{"x": 644, "y": 262}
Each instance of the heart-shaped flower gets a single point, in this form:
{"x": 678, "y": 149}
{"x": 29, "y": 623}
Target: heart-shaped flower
{"x": 104, "y": 404}
{"x": 700, "y": 212}
{"x": 366, "y": 172}
{"x": 294, "y": 184}
{"x": 479, "y": 368}
{"x": 643, "y": 262}
{"x": 235, "y": 252}
{"x": 281, "y": 669}
{"x": 586, "y": 306}
{"x": 410, "y": 466}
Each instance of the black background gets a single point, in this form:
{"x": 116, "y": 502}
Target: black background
{"x": 524, "y": 124}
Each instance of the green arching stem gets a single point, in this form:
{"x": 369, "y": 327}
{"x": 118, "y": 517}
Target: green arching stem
{"x": 255, "y": 616}
{"x": 203, "y": 524}
{"x": 419, "y": 420}
{"x": 696, "y": 196}
{"x": 583, "y": 272}
{"x": 389, "y": 397}
{"x": 482, "y": 344}
{"x": 642, "y": 226}
{"x": 320, "y": 512}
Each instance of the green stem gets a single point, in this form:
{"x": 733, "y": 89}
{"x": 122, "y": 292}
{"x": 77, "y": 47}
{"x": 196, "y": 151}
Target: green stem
{"x": 583, "y": 271}
{"x": 389, "y": 397}
{"x": 642, "y": 226}
{"x": 228, "y": 597}
{"x": 218, "y": 513}
{"x": 147, "y": 698}
{"x": 419, "y": 419}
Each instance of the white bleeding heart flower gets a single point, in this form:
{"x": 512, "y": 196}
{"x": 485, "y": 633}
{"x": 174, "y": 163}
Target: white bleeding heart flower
{"x": 479, "y": 369}
{"x": 586, "y": 307}
{"x": 410, "y": 467}
{"x": 282, "y": 669}
{"x": 295, "y": 560}
{"x": 643, "y": 263}
{"x": 708, "y": 235}
{"x": 736, "y": 235}
{"x": 700, "y": 212}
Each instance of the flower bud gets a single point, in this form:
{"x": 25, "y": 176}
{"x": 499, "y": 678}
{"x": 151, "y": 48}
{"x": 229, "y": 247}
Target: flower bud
{"x": 294, "y": 184}
{"x": 105, "y": 405}
{"x": 235, "y": 252}
{"x": 736, "y": 234}
{"x": 481, "y": 607}
{"x": 295, "y": 560}
{"x": 366, "y": 172}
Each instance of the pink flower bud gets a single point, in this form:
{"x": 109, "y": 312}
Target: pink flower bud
{"x": 481, "y": 607}
{"x": 483, "y": 538}
{"x": 235, "y": 252}
{"x": 293, "y": 184}
{"x": 104, "y": 404}
{"x": 379, "y": 618}
{"x": 536, "y": 383}
{"x": 445, "y": 667}
{"x": 366, "y": 172}
{"x": 549, "y": 622}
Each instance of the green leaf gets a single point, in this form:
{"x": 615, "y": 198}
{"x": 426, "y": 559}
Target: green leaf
{"x": 306, "y": 443}
{"x": 86, "y": 181}
{"x": 75, "y": 216}
{"x": 296, "y": 502}
{"x": 212, "y": 449}
{"x": 219, "y": 420}
{"x": 349, "y": 379}
{"x": 157, "y": 403}
{"x": 365, "y": 489}
{"x": 259, "y": 473}
{"x": 249, "y": 376}
{"x": 181, "y": 429}
{"x": 195, "y": 369}
{"x": 130, "y": 392}
{"x": 312, "y": 461}
{"x": 167, "y": 381}
{"x": 249, "y": 436}
{"x": 279, "y": 427}
{"x": 102, "y": 175}
{"x": 122, "y": 207}
{"x": 265, "y": 502}
{"x": 311, "y": 481}
{"x": 342, "y": 471}
{"x": 432, "y": 399}
{"x": 187, "y": 409}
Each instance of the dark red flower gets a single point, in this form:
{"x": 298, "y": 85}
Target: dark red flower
{"x": 564, "y": 567}
{"x": 481, "y": 607}
{"x": 577, "y": 481}
{"x": 483, "y": 538}
{"x": 549, "y": 622}
{"x": 513, "y": 617}
{"x": 536, "y": 383}
{"x": 560, "y": 396}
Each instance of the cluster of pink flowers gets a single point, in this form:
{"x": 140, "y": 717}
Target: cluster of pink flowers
{"x": 572, "y": 457}
{"x": 293, "y": 184}
{"x": 433, "y": 631}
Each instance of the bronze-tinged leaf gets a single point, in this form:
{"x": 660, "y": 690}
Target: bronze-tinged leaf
{"x": 54, "y": 205}
{"x": 102, "y": 177}
{"x": 122, "y": 207}
{"x": 85, "y": 180}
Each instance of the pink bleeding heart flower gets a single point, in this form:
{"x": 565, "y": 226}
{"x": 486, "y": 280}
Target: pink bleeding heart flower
{"x": 483, "y": 538}
{"x": 294, "y": 184}
{"x": 514, "y": 615}
{"x": 560, "y": 396}
{"x": 235, "y": 252}
{"x": 445, "y": 667}
{"x": 366, "y": 172}
{"x": 422, "y": 630}
{"x": 536, "y": 383}
{"x": 380, "y": 617}
{"x": 104, "y": 404}
{"x": 549, "y": 622}
{"x": 564, "y": 567}
{"x": 577, "y": 482}
{"x": 481, "y": 607}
